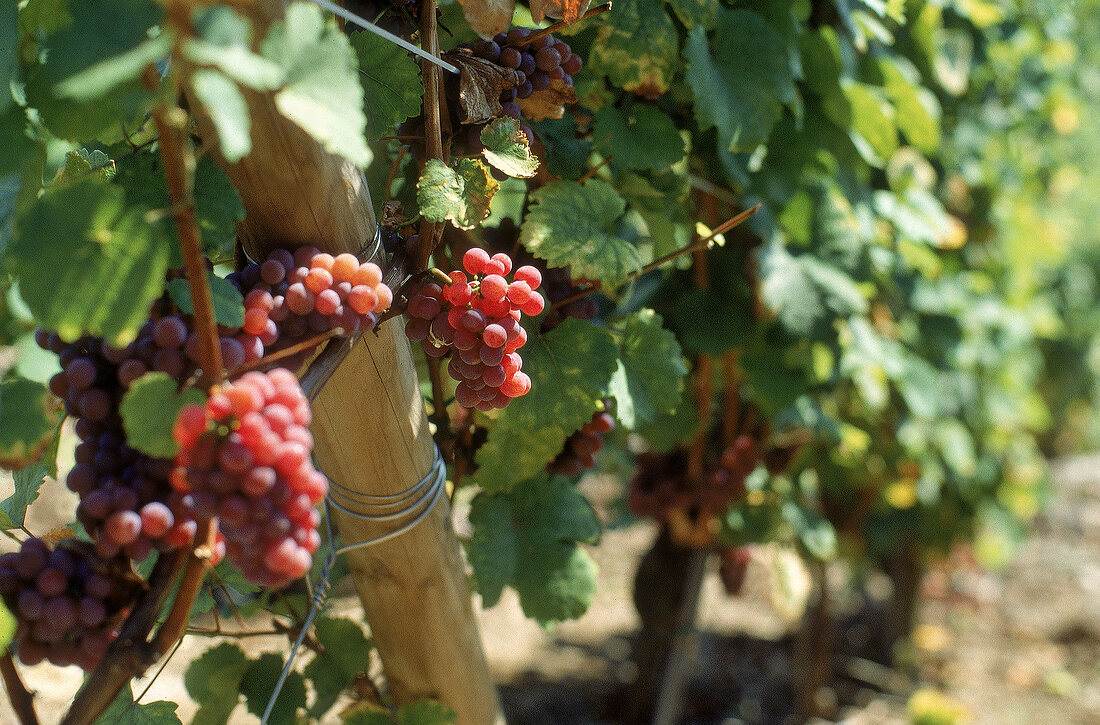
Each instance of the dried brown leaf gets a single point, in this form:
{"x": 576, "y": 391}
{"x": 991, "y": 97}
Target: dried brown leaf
{"x": 548, "y": 103}
{"x": 568, "y": 10}
{"x": 480, "y": 86}
{"x": 488, "y": 17}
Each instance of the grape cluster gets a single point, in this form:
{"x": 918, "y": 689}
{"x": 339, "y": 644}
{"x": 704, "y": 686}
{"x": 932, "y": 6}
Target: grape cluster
{"x": 290, "y": 297}
{"x": 538, "y": 63}
{"x": 661, "y": 482}
{"x": 126, "y": 502}
{"x": 557, "y": 284}
{"x": 478, "y": 317}
{"x": 579, "y": 452}
{"x": 245, "y": 458}
{"x": 67, "y": 601}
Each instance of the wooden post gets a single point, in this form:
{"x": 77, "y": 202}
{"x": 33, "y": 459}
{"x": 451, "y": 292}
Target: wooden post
{"x": 370, "y": 426}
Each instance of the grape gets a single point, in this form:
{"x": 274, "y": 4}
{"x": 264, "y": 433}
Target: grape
{"x": 66, "y": 611}
{"x": 245, "y": 457}
{"x": 547, "y": 59}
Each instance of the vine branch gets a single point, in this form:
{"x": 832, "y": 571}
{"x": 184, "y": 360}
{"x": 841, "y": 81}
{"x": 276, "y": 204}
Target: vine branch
{"x": 433, "y": 133}
{"x": 22, "y": 700}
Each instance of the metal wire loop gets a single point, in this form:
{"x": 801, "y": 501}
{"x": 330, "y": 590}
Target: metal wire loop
{"x": 417, "y": 501}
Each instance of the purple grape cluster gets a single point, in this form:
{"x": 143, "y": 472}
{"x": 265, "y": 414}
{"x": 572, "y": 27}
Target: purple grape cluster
{"x": 538, "y": 63}
{"x": 67, "y": 601}
{"x": 580, "y": 449}
{"x": 126, "y": 502}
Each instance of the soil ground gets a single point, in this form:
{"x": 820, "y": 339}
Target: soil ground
{"x": 1015, "y": 647}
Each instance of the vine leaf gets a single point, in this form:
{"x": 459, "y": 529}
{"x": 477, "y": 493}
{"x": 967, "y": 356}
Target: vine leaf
{"x": 343, "y": 658}
{"x": 7, "y": 627}
{"x": 214, "y": 680}
{"x": 217, "y": 203}
{"x": 550, "y": 102}
{"x": 228, "y": 112}
{"x": 149, "y": 410}
{"x": 651, "y": 370}
{"x": 322, "y": 93}
{"x": 642, "y": 137}
{"x": 13, "y": 509}
{"x": 869, "y": 118}
{"x": 508, "y": 149}
{"x": 9, "y": 60}
{"x": 392, "y": 87}
{"x": 81, "y": 163}
{"x": 637, "y": 47}
{"x": 488, "y": 17}
{"x": 570, "y": 369}
{"x": 92, "y": 79}
{"x": 418, "y": 712}
{"x": 480, "y": 84}
{"x": 528, "y": 538}
{"x": 572, "y": 224}
{"x": 741, "y": 88}
{"x": 28, "y": 423}
{"x": 228, "y": 302}
{"x": 805, "y": 293}
{"x": 258, "y": 683}
{"x": 566, "y": 155}
{"x": 107, "y": 258}
{"x": 459, "y": 194}
{"x": 125, "y": 710}
{"x": 223, "y": 41}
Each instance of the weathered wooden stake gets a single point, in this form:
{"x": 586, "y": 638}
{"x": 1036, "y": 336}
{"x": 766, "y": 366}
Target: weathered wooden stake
{"x": 369, "y": 423}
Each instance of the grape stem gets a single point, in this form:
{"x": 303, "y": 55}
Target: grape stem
{"x": 593, "y": 12}
{"x": 595, "y": 169}
{"x": 22, "y": 700}
{"x": 699, "y": 246}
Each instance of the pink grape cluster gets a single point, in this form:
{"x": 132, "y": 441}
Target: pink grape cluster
{"x": 290, "y": 297}
{"x": 477, "y": 315}
{"x": 579, "y": 452}
{"x": 245, "y": 458}
{"x": 67, "y": 602}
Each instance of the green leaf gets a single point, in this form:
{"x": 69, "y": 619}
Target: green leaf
{"x": 667, "y": 430}
{"x": 107, "y": 258}
{"x": 391, "y": 82}
{"x": 805, "y": 294}
{"x": 869, "y": 118}
{"x": 91, "y": 80}
{"x": 217, "y": 203}
{"x": 33, "y": 362}
{"x": 81, "y": 163}
{"x": 125, "y": 710}
{"x": 573, "y": 225}
{"x": 566, "y": 155}
{"x": 507, "y": 148}
{"x": 460, "y": 194}
{"x": 695, "y": 12}
{"x": 918, "y": 111}
{"x": 570, "y": 369}
{"x": 814, "y": 532}
{"x": 258, "y": 683}
{"x": 44, "y": 15}
{"x": 662, "y": 208}
{"x": 636, "y": 46}
{"x": 322, "y": 93}
{"x": 346, "y": 654}
{"x": 651, "y": 370}
{"x": 643, "y": 137}
{"x": 9, "y": 59}
{"x": 214, "y": 680}
{"x": 149, "y": 411}
{"x": 425, "y": 712}
{"x": 27, "y": 482}
{"x": 228, "y": 302}
{"x": 228, "y": 112}
{"x": 224, "y": 41}
{"x": 528, "y": 538}
{"x": 28, "y": 421}
{"x": 7, "y": 627}
{"x": 709, "y": 322}
{"x": 741, "y": 88}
